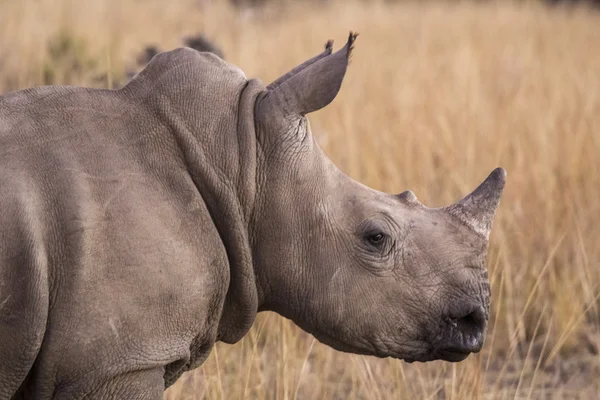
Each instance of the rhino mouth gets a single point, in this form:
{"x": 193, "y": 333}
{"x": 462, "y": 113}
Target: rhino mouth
{"x": 461, "y": 334}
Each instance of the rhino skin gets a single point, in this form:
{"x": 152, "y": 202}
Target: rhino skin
{"x": 140, "y": 225}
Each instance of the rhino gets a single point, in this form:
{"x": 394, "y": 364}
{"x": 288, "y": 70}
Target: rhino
{"x": 141, "y": 225}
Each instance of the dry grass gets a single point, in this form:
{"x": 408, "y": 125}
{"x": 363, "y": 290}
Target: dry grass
{"x": 436, "y": 97}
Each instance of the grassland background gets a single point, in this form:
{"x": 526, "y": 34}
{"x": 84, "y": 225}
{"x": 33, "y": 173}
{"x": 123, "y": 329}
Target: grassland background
{"x": 437, "y": 95}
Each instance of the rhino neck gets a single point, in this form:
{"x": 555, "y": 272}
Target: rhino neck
{"x": 208, "y": 105}
{"x": 229, "y": 192}
{"x": 232, "y": 219}
{"x": 294, "y": 196}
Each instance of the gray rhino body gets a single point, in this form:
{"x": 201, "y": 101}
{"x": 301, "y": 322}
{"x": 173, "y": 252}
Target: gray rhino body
{"x": 138, "y": 226}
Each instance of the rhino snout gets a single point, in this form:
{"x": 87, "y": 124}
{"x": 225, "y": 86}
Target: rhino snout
{"x": 463, "y": 333}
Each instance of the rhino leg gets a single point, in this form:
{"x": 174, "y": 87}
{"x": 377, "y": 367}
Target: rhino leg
{"x": 146, "y": 384}
{"x": 23, "y": 315}
{"x": 19, "y": 346}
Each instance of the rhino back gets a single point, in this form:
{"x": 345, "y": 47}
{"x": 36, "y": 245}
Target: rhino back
{"x": 133, "y": 273}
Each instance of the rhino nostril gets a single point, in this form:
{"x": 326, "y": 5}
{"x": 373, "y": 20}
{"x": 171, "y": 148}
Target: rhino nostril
{"x": 465, "y": 331}
{"x": 471, "y": 323}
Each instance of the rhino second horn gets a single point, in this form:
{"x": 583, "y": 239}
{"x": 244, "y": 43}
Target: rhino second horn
{"x": 408, "y": 198}
{"x": 478, "y": 209}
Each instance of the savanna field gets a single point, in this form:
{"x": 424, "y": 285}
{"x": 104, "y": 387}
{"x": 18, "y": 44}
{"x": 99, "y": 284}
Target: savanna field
{"x": 436, "y": 96}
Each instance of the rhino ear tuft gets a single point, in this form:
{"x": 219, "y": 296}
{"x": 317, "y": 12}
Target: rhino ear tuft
{"x": 312, "y": 85}
{"x": 478, "y": 209}
{"x": 350, "y": 45}
{"x": 329, "y": 46}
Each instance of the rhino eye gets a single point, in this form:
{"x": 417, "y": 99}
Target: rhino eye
{"x": 376, "y": 239}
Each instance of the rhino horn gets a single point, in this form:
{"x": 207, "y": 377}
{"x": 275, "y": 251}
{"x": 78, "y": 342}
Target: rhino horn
{"x": 478, "y": 209}
{"x": 409, "y": 198}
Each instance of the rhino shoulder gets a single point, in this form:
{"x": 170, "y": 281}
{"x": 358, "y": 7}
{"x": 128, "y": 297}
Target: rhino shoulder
{"x": 186, "y": 64}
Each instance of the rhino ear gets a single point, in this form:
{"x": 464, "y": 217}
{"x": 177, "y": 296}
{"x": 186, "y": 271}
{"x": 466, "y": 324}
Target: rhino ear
{"x": 313, "y": 84}
{"x": 276, "y": 83}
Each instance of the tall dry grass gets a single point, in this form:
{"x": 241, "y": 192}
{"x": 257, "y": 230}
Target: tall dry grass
{"x": 437, "y": 95}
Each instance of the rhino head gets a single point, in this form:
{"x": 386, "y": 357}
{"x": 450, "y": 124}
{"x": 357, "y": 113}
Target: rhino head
{"x": 363, "y": 271}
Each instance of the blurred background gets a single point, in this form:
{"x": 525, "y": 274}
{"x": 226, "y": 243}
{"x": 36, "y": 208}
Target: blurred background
{"x": 437, "y": 95}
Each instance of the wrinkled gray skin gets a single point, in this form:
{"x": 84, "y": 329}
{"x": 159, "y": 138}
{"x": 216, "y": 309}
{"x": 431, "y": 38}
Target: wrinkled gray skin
{"x": 140, "y": 225}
